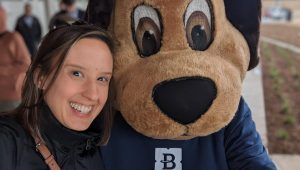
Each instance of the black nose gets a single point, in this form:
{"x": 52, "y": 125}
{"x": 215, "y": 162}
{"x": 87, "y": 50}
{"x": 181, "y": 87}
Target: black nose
{"x": 185, "y": 99}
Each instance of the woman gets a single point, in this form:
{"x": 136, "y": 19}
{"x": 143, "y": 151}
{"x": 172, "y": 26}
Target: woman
{"x": 63, "y": 110}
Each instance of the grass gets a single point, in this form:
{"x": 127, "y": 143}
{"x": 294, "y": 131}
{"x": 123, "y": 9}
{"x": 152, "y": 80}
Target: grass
{"x": 285, "y": 106}
{"x": 274, "y": 72}
{"x": 292, "y": 69}
{"x": 277, "y": 81}
{"x": 282, "y": 134}
{"x": 284, "y": 53}
{"x": 281, "y": 78}
{"x": 289, "y": 120}
{"x": 267, "y": 52}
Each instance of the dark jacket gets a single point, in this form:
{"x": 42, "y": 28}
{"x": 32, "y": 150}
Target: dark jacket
{"x": 236, "y": 147}
{"x": 31, "y": 35}
{"x": 72, "y": 150}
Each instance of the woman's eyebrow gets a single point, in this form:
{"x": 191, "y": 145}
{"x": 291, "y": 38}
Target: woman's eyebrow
{"x": 75, "y": 66}
{"x": 83, "y": 68}
{"x": 107, "y": 73}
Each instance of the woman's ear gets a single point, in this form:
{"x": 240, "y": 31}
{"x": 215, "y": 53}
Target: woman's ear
{"x": 39, "y": 79}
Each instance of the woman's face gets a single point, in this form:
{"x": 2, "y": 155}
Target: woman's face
{"x": 81, "y": 88}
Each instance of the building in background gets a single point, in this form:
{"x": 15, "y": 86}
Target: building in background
{"x": 281, "y": 11}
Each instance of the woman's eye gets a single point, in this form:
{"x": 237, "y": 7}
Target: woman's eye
{"x": 104, "y": 79}
{"x": 77, "y": 73}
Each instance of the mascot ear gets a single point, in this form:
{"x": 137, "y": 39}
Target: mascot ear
{"x": 245, "y": 15}
{"x": 98, "y": 12}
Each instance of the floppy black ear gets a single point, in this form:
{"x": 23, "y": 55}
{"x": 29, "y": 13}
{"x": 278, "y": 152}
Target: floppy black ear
{"x": 98, "y": 12}
{"x": 245, "y": 15}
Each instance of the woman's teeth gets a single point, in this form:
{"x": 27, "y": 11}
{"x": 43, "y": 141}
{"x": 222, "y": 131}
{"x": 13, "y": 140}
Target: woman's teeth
{"x": 81, "y": 108}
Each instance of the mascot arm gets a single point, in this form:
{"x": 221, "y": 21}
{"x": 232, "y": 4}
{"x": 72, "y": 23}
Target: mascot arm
{"x": 243, "y": 145}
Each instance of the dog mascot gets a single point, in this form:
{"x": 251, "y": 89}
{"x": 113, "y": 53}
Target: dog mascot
{"x": 179, "y": 67}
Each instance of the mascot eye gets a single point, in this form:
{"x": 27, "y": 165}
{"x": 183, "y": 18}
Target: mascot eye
{"x": 147, "y": 30}
{"x": 198, "y": 25}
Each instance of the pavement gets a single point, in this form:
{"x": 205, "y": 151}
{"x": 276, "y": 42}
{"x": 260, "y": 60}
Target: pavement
{"x": 281, "y": 44}
{"x": 253, "y": 94}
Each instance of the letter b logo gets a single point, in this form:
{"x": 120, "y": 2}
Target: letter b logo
{"x": 168, "y": 159}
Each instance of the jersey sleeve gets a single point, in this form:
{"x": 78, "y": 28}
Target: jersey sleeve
{"x": 243, "y": 145}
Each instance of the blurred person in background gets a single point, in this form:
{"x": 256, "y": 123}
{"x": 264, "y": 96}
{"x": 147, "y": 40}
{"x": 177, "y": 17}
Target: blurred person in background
{"x": 14, "y": 61}
{"x": 30, "y": 29}
{"x": 61, "y": 6}
{"x": 68, "y": 13}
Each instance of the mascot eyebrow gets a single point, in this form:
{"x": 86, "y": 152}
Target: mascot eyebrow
{"x": 198, "y": 5}
{"x": 144, "y": 11}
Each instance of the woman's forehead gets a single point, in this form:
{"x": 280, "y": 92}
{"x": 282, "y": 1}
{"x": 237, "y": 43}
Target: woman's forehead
{"x": 89, "y": 53}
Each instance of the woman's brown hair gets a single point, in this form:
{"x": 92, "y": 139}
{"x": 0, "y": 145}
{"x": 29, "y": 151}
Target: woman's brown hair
{"x": 49, "y": 59}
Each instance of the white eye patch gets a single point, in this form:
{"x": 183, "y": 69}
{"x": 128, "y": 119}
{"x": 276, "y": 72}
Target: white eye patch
{"x": 144, "y": 11}
{"x": 197, "y": 5}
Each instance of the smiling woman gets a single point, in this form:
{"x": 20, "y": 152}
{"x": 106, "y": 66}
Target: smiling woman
{"x": 80, "y": 90}
{"x": 66, "y": 108}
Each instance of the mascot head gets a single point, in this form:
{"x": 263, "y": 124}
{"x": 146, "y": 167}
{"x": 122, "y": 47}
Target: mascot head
{"x": 179, "y": 64}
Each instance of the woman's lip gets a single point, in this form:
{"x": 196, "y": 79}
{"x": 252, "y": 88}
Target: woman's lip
{"x": 79, "y": 114}
{"x": 81, "y": 107}
{"x": 83, "y": 103}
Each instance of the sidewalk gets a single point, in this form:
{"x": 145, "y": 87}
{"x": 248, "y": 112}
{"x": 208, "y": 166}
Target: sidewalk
{"x": 281, "y": 44}
{"x": 253, "y": 94}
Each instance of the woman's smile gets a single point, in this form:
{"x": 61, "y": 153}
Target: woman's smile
{"x": 84, "y": 109}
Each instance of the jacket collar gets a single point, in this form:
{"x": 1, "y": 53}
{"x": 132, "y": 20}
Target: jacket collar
{"x": 52, "y": 130}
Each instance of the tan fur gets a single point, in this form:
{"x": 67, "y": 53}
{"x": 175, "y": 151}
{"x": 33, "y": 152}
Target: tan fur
{"x": 225, "y": 62}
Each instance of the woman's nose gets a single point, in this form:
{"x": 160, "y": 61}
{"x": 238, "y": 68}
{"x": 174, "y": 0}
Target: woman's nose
{"x": 91, "y": 90}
